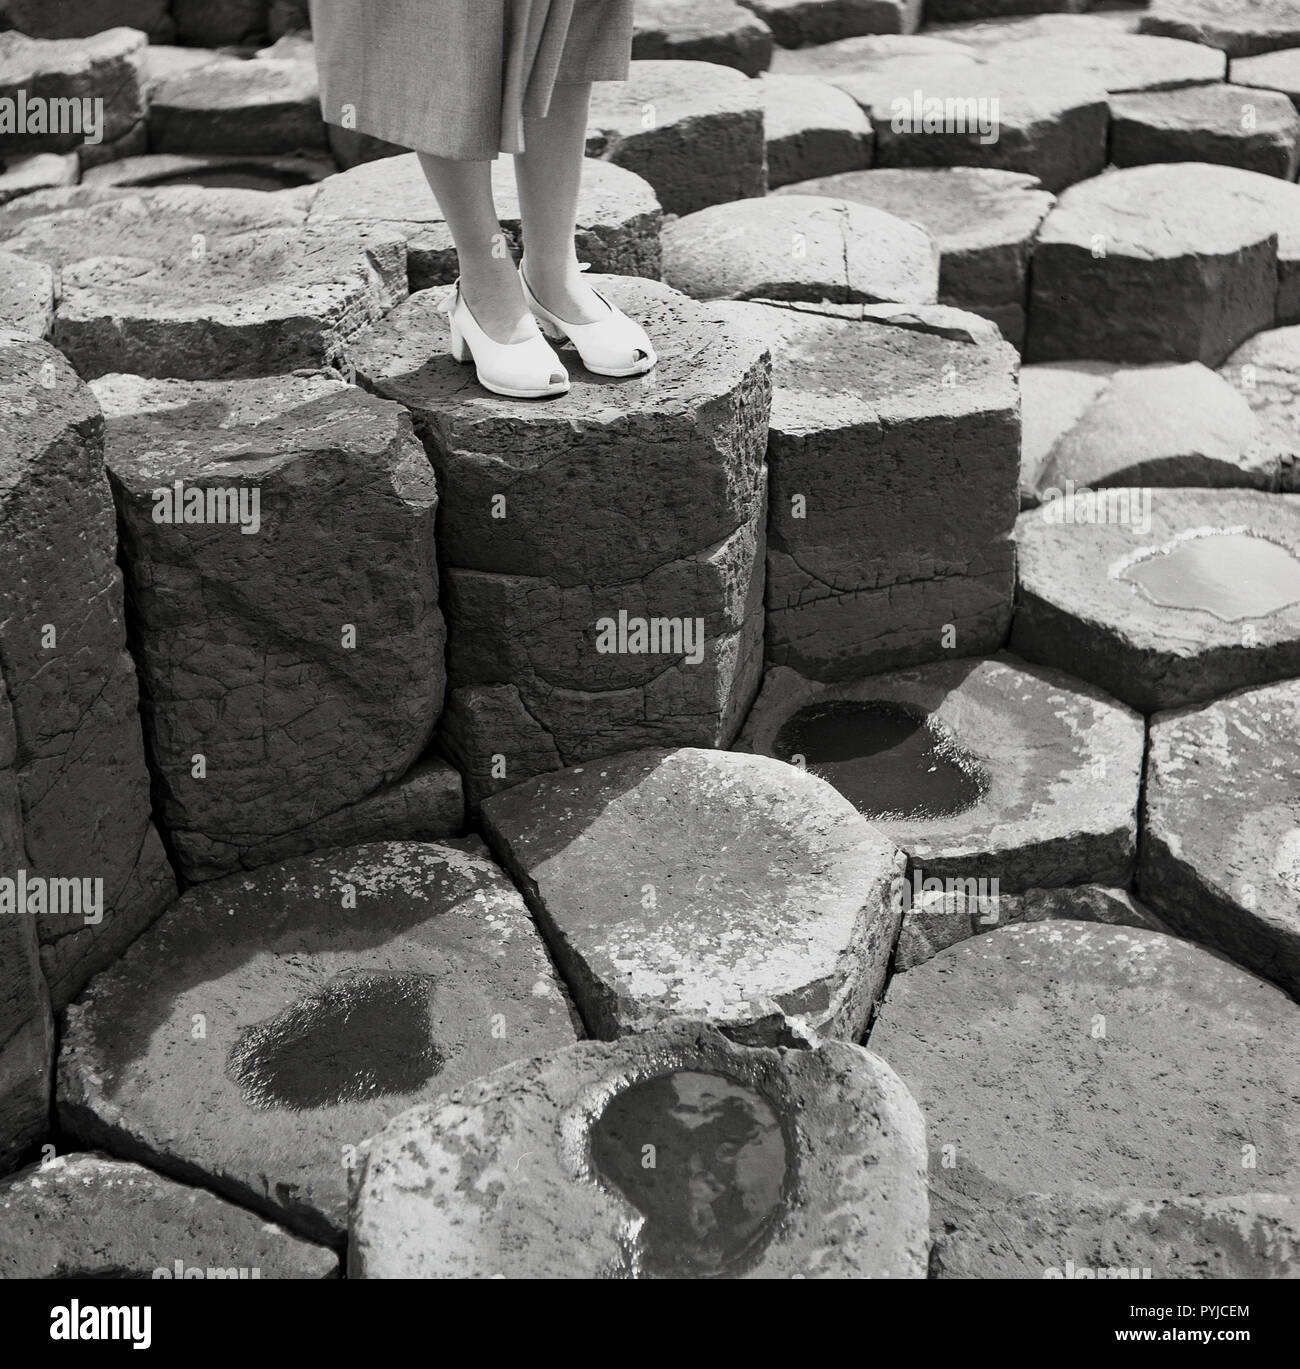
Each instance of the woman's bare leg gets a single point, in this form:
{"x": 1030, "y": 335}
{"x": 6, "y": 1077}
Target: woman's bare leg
{"x": 487, "y": 273}
{"x": 548, "y": 173}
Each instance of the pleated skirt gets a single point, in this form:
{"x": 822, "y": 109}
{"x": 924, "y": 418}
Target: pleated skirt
{"x": 456, "y": 78}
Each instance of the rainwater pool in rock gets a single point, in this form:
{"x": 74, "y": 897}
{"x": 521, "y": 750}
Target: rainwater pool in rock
{"x": 362, "y": 1036}
{"x": 888, "y": 760}
{"x": 706, "y": 1160}
{"x": 1229, "y": 574}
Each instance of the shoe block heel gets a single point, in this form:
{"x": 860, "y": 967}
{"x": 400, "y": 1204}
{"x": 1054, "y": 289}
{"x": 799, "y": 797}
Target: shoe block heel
{"x": 458, "y": 347}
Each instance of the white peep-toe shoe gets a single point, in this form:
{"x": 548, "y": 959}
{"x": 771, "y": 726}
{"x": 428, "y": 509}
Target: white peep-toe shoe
{"x": 518, "y": 370}
{"x": 612, "y": 346}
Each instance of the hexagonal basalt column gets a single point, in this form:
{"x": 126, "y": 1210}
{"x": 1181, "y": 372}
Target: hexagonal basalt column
{"x": 1174, "y": 262}
{"x": 1163, "y": 597}
{"x": 26, "y": 295}
{"x": 1266, "y": 372}
{"x": 88, "y": 1216}
{"x": 1238, "y": 27}
{"x": 267, "y": 106}
{"x": 206, "y": 284}
{"x": 1095, "y": 424}
{"x": 873, "y": 410}
{"x": 92, "y": 88}
{"x": 1075, "y": 1060}
{"x": 994, "y": 772}
{"x": 269, "y": 1023}
{"x": 694, "y": 130}
{"x": 278, "y": 541}
{"x": 799, "y": 23}
{"x": 764, "y": 1164}
{"x": 1221, "y": 857}
{"x": 1279, "y": 71}
{"x": 1257, "y": 130}
{"x": 705, "y": 884}
{"x": 1097, "y": 47}
{"x": 602, "y": 552}
{"x": 933, "y": 103}
{"x": 811, "y": 129}
{"x": 719, "y": 31}
{"x": 618, "y": 215}
{"x": 984, "y": 221}
{"x": 79, "y": 758}
{"x": 801, "y": 247}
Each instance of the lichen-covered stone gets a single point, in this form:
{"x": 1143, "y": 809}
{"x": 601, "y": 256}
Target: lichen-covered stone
{"x": 495, "y": 1181}
{"x": 704, "y": 884}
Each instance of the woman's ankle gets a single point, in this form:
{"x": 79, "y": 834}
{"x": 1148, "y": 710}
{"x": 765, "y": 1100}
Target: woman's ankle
{"x": 491, "y": 293}
{"x": 558, "y": 284}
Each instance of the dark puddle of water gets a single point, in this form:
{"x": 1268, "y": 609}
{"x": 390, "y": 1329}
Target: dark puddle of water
{"x": 362, "y": 1036}
{"x": 887, "y": 759}
{"x": 1229, "y": 574}
{"x": 714, "y": 1184}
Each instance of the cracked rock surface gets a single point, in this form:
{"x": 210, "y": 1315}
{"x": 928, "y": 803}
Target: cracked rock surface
{"x": 271, "y": 1022}
{"x": 884, "y": 420}
{"x": 1221, "y": 846}
{"x": 499, "y": 1181}
{"x": 303, "y": 659}
{"x": 704, "y": 884}
{"x": 1240, "y": 28}
{"x": 801, "y": 247}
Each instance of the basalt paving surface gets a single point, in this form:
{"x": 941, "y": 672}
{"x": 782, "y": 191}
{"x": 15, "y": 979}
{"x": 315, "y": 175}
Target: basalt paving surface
{"x": 704, "y": 884}
{"x": 1163, "y": 597}
{"x": 269, "y": 1023}
{"x": 764, "y": 1164}
{"x": 719, "y": 31}
{"x": 1221, "y": 838}
{"x": 976, "y": 768}
{"x": 88, "y": 1216}
{"x": 1074, "y": 1059}
{"x": 811, "y": 129}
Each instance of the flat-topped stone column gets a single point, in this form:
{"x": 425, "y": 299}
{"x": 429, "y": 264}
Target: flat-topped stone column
{"x": 1221, "y": 860}
{"x": 992, "y": 773}
{"x": 602, "y": 552}
{"x": 873, "y": 409}
{"x": 78, "y": 761}
{"x": 708, "y": 884}
{"x": 278, "y": 541}
{"x": 269, "y": 1023}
